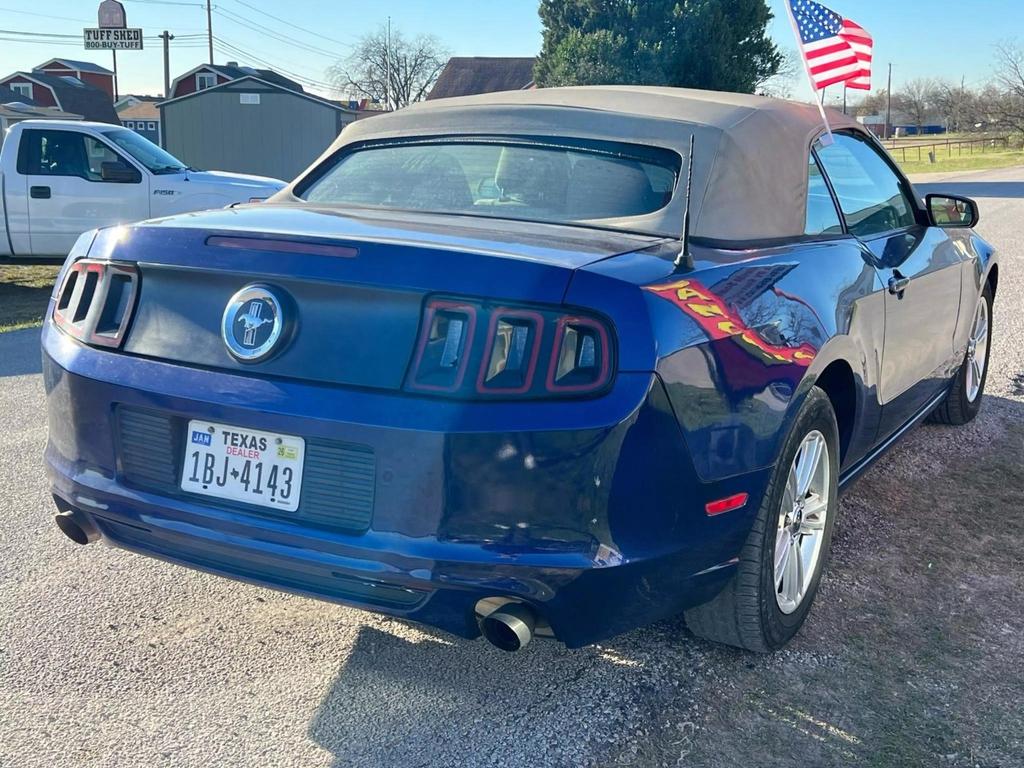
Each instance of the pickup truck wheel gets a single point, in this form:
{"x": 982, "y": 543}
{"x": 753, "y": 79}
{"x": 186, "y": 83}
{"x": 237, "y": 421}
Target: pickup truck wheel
{"x": 963, "y": 401}
{"x": 767, "y": 599}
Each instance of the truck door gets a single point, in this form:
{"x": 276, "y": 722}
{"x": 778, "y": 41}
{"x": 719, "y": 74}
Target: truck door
{"x": 76, "y": 182}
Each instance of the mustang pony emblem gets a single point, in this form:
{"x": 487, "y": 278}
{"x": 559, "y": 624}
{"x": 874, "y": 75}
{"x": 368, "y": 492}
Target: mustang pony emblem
{"x": 254, "y": 323}
{"x": 253, "y": 320}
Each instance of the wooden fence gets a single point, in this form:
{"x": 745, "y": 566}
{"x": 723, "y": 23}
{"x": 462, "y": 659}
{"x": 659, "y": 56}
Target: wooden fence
{"x": 949, "y": 147}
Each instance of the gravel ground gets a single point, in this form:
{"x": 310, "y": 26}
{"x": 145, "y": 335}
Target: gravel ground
{"x": 912, "y": 655}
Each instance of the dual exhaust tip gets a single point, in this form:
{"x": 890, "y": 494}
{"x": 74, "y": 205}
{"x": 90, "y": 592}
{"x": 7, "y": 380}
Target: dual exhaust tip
{"x": 77, "y": 527}
{"x": 510, "y": 627}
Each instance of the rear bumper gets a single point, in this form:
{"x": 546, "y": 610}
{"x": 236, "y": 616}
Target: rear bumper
{"x": 589, "y": 511}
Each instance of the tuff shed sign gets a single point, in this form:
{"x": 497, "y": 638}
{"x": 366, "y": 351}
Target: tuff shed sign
{"x": 113, "y": 32}
{"x": 113, "y": 39}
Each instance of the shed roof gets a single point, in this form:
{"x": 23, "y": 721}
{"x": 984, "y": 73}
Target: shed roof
{"x": 79, "y": 66}
{"x": 466, "y": 75}
{"x": 233, "y": 84}
{"x": 76, "y": 96}
{"x": 750, "y": 152}
{"x": 145, "y": 110}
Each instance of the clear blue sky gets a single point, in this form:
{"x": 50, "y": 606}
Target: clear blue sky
{"x": 921, "y": 38}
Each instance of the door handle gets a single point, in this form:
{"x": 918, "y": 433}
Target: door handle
{"x": 898, "y": 284}
{"x": 39, "y": 193}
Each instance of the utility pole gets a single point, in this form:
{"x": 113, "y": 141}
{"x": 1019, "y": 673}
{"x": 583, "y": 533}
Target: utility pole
{"x": 888, "y": 105}
{"x": 114, "y": 51}
{"x": 167, "y": 37}
{"x": 387, "y": 68}
{"x": 209, "y": 29}
{"x": 845, "y": 90}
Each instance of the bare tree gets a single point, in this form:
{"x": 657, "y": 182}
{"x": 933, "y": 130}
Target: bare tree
{"x": 395, "y": 72}
{"x": 781, "y": 84}
{"x": 914, "y": 99}
{"x": 1008, "y": 109}
{"x": 872, "y": 103}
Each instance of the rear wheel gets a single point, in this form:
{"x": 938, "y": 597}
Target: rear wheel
{"x": 780, "y": 566}
{"x": 963, "y": 401}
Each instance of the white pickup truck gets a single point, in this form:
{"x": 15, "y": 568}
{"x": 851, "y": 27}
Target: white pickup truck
{"x": 59, "y": 178}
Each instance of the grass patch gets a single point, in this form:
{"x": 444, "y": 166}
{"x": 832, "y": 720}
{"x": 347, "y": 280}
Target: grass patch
{"x": 24, "y": 293}
{"x": 944, "y": 163}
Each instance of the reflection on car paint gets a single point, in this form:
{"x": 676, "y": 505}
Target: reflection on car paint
{"x": 715, "y": 317}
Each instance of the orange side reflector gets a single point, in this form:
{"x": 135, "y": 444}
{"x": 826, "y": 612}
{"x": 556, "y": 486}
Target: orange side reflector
{"x": 728, "y": 504}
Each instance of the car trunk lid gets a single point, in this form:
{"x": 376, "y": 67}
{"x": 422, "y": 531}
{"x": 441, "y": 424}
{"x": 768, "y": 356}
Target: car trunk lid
{"x": 354, "y": 283}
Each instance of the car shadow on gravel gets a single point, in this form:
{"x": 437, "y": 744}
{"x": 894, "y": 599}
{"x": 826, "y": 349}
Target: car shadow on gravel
{"x": 19, "y": 352}
{"x": 911, "y": 656}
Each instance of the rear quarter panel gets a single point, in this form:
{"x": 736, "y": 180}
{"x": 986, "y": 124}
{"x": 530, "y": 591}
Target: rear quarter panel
{"x": 740, "y": 339}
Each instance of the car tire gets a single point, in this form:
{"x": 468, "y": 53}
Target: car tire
{"x": 959, "y": 407}
{"x": 750, "y": 612}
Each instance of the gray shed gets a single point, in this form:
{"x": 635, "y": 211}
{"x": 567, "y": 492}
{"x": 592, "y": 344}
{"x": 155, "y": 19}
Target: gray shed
{"x": 250, "y": 125}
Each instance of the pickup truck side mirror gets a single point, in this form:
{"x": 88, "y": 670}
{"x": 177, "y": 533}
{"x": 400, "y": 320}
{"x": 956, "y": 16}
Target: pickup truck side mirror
{"x": 951, "y": 211}
{"x": 119, "y": 173}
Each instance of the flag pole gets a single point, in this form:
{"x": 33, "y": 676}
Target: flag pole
{"x": 827, "y": 139}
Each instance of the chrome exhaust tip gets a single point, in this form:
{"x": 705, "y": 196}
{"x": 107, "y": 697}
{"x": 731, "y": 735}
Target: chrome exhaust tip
{"x": 510, "y": 627}
{"x": 76, "y": 527}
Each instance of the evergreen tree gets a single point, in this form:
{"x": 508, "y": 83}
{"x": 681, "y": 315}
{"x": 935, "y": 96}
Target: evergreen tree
{"x": 715, "y": 44}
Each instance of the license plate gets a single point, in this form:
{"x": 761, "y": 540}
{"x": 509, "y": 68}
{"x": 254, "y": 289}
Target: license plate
{"x": 242, "y": 464}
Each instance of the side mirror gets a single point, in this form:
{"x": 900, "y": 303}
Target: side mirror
{"x": 119, "y": 173}
{"x": 951, "y": 211}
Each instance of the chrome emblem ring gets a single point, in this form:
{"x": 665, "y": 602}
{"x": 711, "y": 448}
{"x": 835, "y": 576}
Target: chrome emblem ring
{"x": 253, "y": 323}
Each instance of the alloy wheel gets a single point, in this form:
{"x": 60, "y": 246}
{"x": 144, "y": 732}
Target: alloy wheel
{"x": 801, "y": 524}
{"x": 977, "y": 350}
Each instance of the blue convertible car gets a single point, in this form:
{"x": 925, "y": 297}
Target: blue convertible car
{"x": 556, "y": 363}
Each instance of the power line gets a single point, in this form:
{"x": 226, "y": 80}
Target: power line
{"x": 233, "y": 50}
{"x": 46, "y": 15}
{"x": 279, "y": 36}
{"x": 290, "y": 24}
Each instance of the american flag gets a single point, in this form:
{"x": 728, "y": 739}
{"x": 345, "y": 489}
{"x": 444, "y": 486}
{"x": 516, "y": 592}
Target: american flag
{"x": 837, "y": 50}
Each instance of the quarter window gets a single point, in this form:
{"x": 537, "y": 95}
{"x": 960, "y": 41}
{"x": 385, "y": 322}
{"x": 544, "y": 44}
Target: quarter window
{"x": 822, "y": 216}
{"x": 870, "y": 193}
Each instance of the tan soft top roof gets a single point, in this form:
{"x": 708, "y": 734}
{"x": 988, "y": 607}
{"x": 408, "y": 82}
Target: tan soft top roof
{"x": 750, "y": 152}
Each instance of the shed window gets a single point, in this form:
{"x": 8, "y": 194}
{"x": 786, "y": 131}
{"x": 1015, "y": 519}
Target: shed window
{"x": 129, "y": 124}
{"x": 205, "y": 80}
{"x": 249, "y": 98}
{"x": 24, "y": 89}
{"x": 150, "y": 126}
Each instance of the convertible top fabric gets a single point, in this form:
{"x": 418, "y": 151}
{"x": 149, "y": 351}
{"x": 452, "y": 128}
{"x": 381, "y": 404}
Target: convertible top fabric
{"x": 750, "y": 152}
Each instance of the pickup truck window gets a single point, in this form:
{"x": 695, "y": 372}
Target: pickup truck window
{"x": 64, "y": 153}
{"x": 541, "y": 180}
{"x": 144, "y": 151}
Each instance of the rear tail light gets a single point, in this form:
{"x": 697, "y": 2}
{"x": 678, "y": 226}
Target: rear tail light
{"x": 95, "y": 301}
{"x": 475, "y": 350}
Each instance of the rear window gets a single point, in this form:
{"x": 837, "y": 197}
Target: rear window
{"x": 547, "y": 181}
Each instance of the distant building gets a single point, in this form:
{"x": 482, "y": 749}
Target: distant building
{"x": 211, "y": 75}
{"x": 80, "y": 90}
{"x": 14, "y": 108}
{"x": 468, "y": 75}
{"x": 902, "y": 125}
{"x": 86, "y": 71}
{"x": 250, "y": 125}
{"x": 131, "y": 99}
{"x": 143, "y": 117}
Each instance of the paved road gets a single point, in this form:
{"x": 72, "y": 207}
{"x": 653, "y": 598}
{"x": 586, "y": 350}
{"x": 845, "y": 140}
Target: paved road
{"x": 110, "y": 659}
